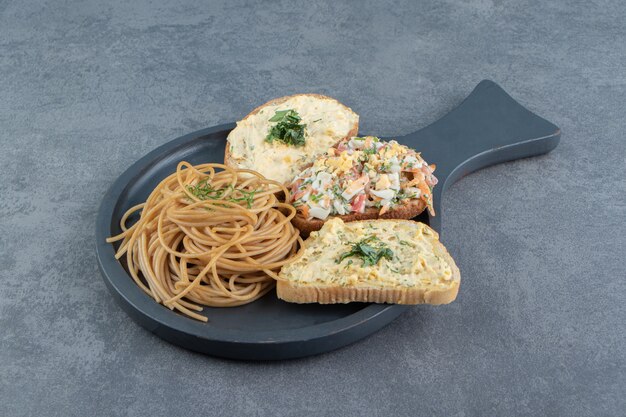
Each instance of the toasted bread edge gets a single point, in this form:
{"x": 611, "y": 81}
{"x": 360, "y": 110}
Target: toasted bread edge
{"x": 405, "y": 212}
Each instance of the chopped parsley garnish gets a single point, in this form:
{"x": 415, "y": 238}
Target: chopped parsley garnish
{"x": 288, "y": 130}
{"x": 373, "y": 138}
{"x": 316, "y": 197}
{"x": 205, "y": 191}
{"x": 337, "y": 191}
{"x": 371, "y": 250}
{"x": 403, "y": 195}
{"x": 369, "y": 151}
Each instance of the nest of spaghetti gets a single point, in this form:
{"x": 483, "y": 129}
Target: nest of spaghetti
{"x": 209, "y": 235}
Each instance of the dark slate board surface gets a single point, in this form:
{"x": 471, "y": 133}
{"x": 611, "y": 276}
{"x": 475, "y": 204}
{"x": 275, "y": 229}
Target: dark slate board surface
{"x": 87, "y": 88}
{"x": 489, "y": 127}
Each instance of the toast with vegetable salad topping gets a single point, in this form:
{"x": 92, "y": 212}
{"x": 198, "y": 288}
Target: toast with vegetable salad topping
{"x": 285, "y": 135}
{"x": 363, "y": 178}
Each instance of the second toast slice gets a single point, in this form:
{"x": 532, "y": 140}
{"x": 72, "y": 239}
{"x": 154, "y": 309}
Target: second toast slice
{"x": 380, "y": 261}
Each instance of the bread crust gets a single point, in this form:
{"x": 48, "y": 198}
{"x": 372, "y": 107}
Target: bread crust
{"x": 228, "y": 160}
{"x": 305, "y": 294}
{"x": 327, "y": 294}
{"x": 404, "y": 212}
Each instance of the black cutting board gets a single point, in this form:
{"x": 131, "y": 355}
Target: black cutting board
{"x": 487, "y": 128}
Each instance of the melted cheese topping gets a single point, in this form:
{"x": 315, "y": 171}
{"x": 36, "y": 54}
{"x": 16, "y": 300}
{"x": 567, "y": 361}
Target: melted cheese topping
{"x": 416, "y": 262}
{"x": 327, "y": 121}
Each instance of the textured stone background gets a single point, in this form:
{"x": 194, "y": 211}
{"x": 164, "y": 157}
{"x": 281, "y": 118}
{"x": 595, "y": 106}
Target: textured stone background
{"x": 86, "y": 88}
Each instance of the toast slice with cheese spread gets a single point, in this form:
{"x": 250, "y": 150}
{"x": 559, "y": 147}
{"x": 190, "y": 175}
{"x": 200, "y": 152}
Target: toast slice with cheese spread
{"x": 281, "y": 137}
{"x": 363, "y": 178}
{"x": 379, "y": 261}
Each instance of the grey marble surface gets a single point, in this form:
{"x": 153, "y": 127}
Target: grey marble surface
{"x": 86, "y": 88}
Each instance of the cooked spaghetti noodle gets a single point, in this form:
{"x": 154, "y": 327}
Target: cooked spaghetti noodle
{"x": 209, "y": 238}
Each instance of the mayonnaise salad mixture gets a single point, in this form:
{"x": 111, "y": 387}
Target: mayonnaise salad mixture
{"x": 363, "y": 173}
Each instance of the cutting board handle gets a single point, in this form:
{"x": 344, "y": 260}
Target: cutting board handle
{"x": 487, "y": 128}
